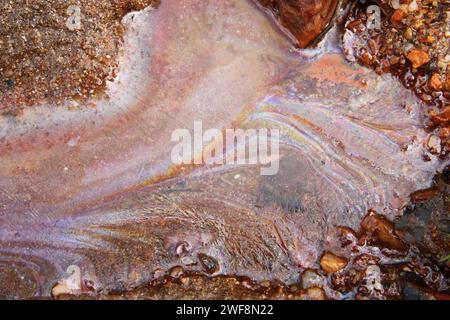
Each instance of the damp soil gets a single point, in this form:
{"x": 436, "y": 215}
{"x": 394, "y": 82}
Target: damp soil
{"x": 201, "y": 287}
{"x": 53, "y": 50}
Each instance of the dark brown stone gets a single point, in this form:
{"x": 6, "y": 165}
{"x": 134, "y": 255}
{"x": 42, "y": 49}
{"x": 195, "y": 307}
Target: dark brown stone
{"x": 383, "y": 230}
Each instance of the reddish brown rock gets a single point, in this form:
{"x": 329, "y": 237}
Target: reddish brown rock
{"x": 424, "y": 195}
{"x": 440, "y": 118}
{"x": 383, "y": 230}
{"x": 304, "y": 19}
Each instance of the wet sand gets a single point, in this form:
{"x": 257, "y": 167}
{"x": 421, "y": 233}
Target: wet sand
{"x": 53, "y": 50}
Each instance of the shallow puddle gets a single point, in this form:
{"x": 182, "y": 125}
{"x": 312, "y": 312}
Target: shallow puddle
{"x": 96, "y": 186}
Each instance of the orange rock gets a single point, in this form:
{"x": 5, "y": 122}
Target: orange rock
{"x": 383, "y": 230}
{"x": 331, "y": 263}
{"x": 435, "y": 82}
{"x": 418, "y": 58}
{"x": 444, "y": 134}
{"x": 397, "y": 16}
{"x": 442, "y": 117}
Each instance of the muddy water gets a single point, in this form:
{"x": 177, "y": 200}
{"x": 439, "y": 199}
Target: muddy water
{"x": 96, "y": 187}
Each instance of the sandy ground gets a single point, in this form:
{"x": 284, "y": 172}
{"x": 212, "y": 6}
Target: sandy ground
{"x": 56, "y": 49}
